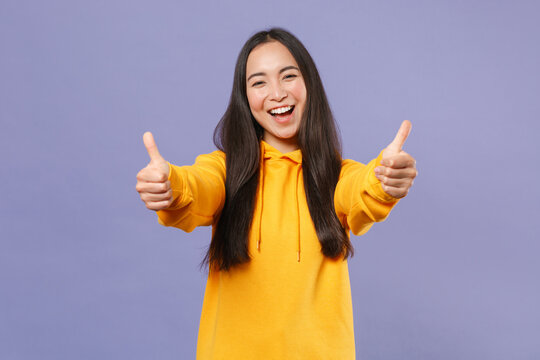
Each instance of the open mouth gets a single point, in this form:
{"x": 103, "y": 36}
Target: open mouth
{"x": 283, "y": 111}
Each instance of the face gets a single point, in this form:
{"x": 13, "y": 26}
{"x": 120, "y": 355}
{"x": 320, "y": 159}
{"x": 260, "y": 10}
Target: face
{"x": 276, "y": 94}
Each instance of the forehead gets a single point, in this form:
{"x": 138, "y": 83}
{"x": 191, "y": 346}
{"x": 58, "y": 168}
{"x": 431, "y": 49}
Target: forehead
{"x": 268, "y": 57}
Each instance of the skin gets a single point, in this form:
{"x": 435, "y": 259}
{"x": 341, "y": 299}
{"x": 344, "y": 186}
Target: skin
{"x": 274, "y": 80}
{"x": 398, "y": 169}
{"x": 152, "y": 181}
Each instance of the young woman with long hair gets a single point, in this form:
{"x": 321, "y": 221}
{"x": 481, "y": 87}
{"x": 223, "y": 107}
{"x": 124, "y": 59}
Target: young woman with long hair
{"x": 282, "y": 202}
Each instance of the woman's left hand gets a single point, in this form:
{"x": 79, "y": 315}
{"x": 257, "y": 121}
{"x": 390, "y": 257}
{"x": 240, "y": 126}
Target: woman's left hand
{"x": 398, "y": 169}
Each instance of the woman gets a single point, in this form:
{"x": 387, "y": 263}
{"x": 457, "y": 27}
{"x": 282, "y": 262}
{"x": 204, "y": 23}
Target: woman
{"x": 282, "y": 202}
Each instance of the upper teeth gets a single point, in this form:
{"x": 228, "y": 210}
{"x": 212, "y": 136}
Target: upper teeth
{"x": 281, "y": 110}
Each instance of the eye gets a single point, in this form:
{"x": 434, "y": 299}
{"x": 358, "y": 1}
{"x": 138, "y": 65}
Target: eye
{"x": 257, "y": 83}
{"x": 289, "y": 76}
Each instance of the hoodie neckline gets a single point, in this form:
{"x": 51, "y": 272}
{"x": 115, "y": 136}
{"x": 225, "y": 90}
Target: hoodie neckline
{"x": 270, "y": 152}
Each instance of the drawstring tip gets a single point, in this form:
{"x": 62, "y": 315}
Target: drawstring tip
{"x": 259, "y": 245}
{"x": 298, "y": 252}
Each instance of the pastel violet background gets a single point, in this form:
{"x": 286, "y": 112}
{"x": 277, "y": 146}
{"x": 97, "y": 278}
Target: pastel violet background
{"x": 86, "y": 272}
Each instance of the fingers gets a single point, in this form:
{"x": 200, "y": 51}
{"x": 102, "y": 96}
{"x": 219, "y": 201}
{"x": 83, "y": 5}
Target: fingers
{"x": 152, "y": 181}
{"x": 151, "y": 147}
{"x": 396, "y": 192}
{"x": 151, "y": 174}
{"x": 151, "y": 197}
{"x": 397, "y": 174}
{"x": 154, "y": 188}
{"x": 404, "y": 182}
{"x": 397, "y": 187}
{"x": 397, "y": 144}
{"x": 398, "y": 169}
{"x": 156, "y": 196}
{"x": 397, "y": 178}
{"x": 399, "y": 161}
{"x": 159, "y": 205}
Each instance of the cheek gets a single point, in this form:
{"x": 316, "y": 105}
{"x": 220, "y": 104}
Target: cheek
{"x": 299, "y": 91}
{"x": 255, "y": 100}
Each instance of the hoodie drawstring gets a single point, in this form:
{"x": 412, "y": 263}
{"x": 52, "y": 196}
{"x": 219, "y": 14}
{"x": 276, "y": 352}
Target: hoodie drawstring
{"x": 299, "y": 244}
{"x": 298, "y": 160}
{"x": 261, "y": 197}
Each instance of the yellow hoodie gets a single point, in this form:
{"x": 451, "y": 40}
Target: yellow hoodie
{"x": 289, "y": 301}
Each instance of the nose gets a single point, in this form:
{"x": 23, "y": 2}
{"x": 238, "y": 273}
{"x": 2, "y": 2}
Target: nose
{"x": 277, "y": 92}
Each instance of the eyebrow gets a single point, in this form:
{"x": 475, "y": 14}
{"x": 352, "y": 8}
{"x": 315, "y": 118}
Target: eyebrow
{"x": 280, "y": 71}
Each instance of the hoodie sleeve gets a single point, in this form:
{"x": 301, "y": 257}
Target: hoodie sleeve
{"x": 198, "y": 193}
{"x": 359, "y": 198}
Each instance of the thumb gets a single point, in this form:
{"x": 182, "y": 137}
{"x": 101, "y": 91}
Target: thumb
{"x": 401, "y": 136}
{"x": 151, "y": 147}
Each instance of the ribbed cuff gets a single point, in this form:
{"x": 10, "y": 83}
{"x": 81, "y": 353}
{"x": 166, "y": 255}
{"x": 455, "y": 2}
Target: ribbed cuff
{"x": 177, "y": 186}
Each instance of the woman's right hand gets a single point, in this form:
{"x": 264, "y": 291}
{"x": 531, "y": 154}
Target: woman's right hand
{"x": 152, "y": 181}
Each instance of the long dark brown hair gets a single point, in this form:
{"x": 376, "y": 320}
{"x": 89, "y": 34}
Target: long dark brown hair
{"x": 238, "y": 135}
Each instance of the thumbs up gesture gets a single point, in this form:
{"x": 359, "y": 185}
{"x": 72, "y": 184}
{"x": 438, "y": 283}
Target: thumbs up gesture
{"x": 152, "y": 181}
{"x": 398, "y": 169}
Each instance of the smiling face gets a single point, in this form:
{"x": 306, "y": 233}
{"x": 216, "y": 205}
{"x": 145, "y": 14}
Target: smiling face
{"x": 276, "y": 94}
